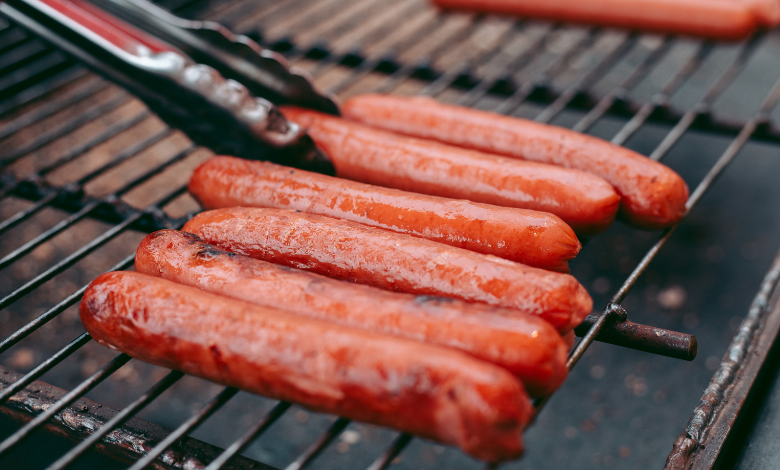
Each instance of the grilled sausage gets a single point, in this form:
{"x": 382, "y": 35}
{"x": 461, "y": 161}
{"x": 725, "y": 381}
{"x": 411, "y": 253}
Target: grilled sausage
{"x": 530, "y": 237}
{"x": 526, "y": 346}
{"x": 652, "y": 195}
{"x": 361, "y": 153}
{"x": 434, "y": 392}
{"x": 367, "y": 255}
{"x": 720, "y": 19}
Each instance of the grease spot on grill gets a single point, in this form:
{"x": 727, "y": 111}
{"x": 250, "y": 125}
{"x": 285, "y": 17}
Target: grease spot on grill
{"x": 301, "y": 416}
{"x": 672, "y": 297}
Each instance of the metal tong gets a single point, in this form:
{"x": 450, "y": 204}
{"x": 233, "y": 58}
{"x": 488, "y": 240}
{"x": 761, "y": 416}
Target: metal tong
{"x": 218, "y": 87}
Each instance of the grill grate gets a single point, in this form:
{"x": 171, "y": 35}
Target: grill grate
{"x": 492, "y": 63}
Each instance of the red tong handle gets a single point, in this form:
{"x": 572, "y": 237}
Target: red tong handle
{"x": 119, "y": 33}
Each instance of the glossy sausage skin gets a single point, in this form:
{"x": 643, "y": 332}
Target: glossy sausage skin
{"x": 419, "y": 388}
{"x": 652, "y": 195}
{"x": 530, "y": 237}
{"x": 720, "y": 19}
{"x": 362, "y": 153}
{"x": 366, "y": 255}
{"x": 526, "y": 346}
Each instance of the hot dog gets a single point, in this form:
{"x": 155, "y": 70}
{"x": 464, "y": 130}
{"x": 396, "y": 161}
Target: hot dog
{"x": 720, "y": 19}
{"x": 346, "y": 250}
{"x": 361, "y": 153}
{"x": 530, "y": 237}
{"x": 526, "y": 346}
{"x": 434, "y": 392}
{"x": 652, "y": 195}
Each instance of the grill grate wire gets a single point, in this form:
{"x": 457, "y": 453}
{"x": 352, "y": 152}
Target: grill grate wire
{"x": 45, "y": 72}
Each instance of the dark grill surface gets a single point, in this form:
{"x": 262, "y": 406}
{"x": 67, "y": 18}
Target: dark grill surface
{"x": 87, "y": 171}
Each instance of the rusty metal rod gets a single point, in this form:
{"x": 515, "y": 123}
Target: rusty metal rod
{"x": 643, "y": 338}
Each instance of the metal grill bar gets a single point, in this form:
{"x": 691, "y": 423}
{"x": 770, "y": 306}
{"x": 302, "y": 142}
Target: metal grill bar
{"x": 586, "y": 80}
{"x": 451, "y": 75}
{"x": 45, "y": 70}
{"x": 45, "y": 236}
{"x": 499, "y": 69}
{"x": 253, "y": 433}
{"x": 11, "y": 37}
{"x": 391, "y": 452}
{"x": 69, "y": 261}
{"x": 510, "y": 105}
{"x": 27, "y": 212}
{"x": 195, "y": 420}
{"x": 368, "y": 65}
{"x": 406, "y": 71}
{"x": 45, "y": 85}
{"x": 49, "y": 137}
{"x": 116, "y": 421}
{"x": 104, "y": 136}
{"x": 319, "y": 445}
{"x": 632, "y": 79}
{"x": 44, "y": 367}
{"x": 662, "y": 98}
{"x": 126, "y": 154}
{"x": 703, "y": 107}
{"x": 90, "y": 88}
{"x": 78, "y": 391}
{"x": 704, "y": 185}
{"x": 50, "y": 314}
